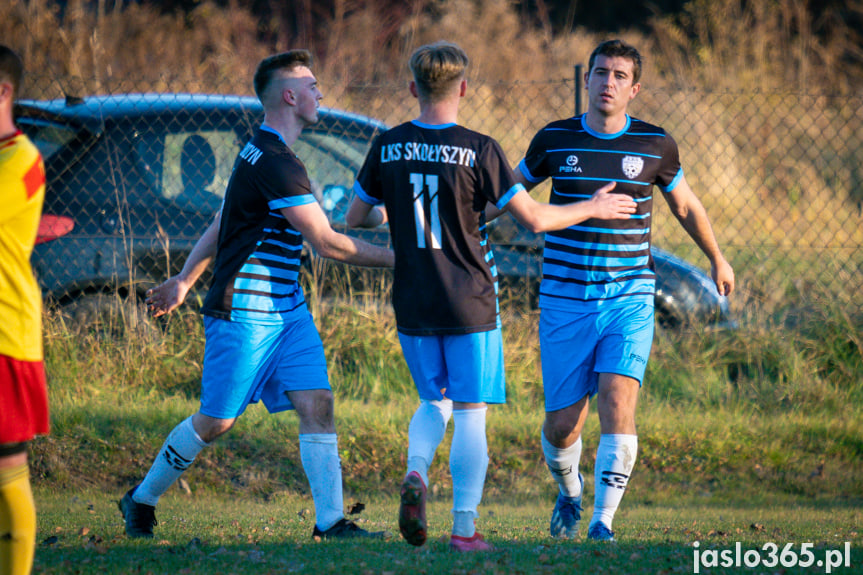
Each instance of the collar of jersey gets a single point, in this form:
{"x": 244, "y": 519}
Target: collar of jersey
{"x": 266, "y": 128}
{"x": 9, "y": 137}
{"x": 432, "y": 126}
{"x": 603, "y": 136}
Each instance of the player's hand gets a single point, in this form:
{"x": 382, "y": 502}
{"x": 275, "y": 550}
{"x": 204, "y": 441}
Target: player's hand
{"x": 166, "y": 297}
{"x": 723, "y": 275}
{"x": 608, "y": 206}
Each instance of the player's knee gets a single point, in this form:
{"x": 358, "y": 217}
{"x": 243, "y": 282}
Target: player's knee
{"x": 616, "y": 408}
{"x": 559, "y": 430}
{"x": 211, "y": 429}
{"x": 324, "y": 407}
{"x": 316, "y": 407}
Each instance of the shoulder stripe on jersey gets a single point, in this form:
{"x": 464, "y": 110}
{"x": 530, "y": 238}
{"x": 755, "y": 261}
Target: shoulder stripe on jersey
{"x": 522, "y": 167}
{"x": 291, "y": 202}
{"x": 361, "y": 194}
{"x": 509, "y": 195}
{"x": 670, "y": 187}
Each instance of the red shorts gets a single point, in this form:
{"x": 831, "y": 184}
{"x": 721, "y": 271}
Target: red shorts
{"x": 23, "y": 400}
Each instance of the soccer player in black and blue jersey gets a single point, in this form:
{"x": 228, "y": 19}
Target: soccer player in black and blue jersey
{"x": 437, "y": 180}
{"x": 261, "y": 342}
{"x": 597, "y": 290}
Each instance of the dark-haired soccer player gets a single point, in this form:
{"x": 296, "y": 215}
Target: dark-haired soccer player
{"x": 261, "y": 341}
{"x": 597, "y": 290}
{"x": 23, "y": 393}
{"x": 436, "y": 180}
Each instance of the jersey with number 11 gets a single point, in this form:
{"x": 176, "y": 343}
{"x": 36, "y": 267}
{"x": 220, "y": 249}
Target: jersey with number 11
{"x": 435, "y": 182}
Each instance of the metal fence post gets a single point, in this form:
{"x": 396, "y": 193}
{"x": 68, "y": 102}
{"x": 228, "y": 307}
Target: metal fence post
{"x": 579, "y": 74}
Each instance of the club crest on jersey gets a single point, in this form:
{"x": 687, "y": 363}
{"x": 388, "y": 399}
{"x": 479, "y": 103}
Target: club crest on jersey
{"x": 632, "y": 166}
{"x": 571, "y": 165}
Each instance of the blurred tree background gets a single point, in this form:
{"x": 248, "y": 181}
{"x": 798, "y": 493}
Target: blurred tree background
{"x": 796, "y": 45}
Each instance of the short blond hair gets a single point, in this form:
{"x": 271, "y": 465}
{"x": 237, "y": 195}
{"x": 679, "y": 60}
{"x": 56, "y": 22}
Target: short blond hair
{"x": 437, "y": 69}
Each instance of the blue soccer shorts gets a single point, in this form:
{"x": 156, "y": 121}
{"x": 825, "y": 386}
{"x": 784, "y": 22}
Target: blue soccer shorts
{"x": 245, "y": 363}
{"x": 467, "y": 368}
{"x": 577, "y": 347}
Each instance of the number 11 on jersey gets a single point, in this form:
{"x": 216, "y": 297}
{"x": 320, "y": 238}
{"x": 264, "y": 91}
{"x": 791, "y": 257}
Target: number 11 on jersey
{"x": 426, "y": 186}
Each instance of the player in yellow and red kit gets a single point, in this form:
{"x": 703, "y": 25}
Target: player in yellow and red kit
{"x": 23, "y": 393}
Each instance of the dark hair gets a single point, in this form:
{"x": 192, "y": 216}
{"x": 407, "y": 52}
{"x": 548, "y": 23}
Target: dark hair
{"x": 284, "y": 61}
{"x": 437, "y": 68}
{"x": 11, "y": 68}
{"x": 613, "y": 48}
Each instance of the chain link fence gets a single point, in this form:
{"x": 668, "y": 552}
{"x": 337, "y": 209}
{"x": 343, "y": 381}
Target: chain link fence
{"x": 781, "y": 176}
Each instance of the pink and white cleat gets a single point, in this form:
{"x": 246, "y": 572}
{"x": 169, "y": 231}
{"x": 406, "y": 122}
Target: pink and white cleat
{"x": 475, "y": 543}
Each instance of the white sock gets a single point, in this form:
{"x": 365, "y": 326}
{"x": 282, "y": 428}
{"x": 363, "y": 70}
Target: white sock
{"x": 177, "y": 454}
{"x": 562, "y": 462}
{"x": 319, "y": 453}
{"x": 468, "y": 462}
{"x": 425, "y": 433}
{"x": 615, "y": 457}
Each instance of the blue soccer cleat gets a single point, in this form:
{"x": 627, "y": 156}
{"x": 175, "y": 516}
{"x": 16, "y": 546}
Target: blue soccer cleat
{"x": 566, "y": 515}
{"x": 599, "y": 532}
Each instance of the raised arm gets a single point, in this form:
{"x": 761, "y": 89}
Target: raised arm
{"x": 310, "y": 220}
{"x": 540, "y": 217}
{"x": 167, "y": 296}
{"x": 690, "y": 212}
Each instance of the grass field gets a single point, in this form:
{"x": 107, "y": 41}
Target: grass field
{"x": 201, "y": 533}
{"x": 750, "y": 436}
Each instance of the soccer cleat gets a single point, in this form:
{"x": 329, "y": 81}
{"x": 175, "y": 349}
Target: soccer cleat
{"x": 412, "y": 509}
{"x": 599, "y": 532}
{"x": 344, "y": 529}
{"x": 475, "y": 543}
{"x": 566, "y": 515}
{"x": 140, "y": 518}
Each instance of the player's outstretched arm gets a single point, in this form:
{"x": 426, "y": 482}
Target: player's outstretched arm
{"x": 690, "y": 212}
{"x": 167, "y": 296}
{"x": 310, "y": 220}
{"x": 539, "y": 217}
{"x": 364, "y": 215}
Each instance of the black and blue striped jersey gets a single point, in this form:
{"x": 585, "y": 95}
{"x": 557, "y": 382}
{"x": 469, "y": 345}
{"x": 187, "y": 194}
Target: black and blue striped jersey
{"x": 435, "y": 182}
{"x": 600, "y": 262}
{"x": 258, "y": 258}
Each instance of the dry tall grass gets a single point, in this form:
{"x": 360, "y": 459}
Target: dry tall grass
{"x": 715, "y": 44}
